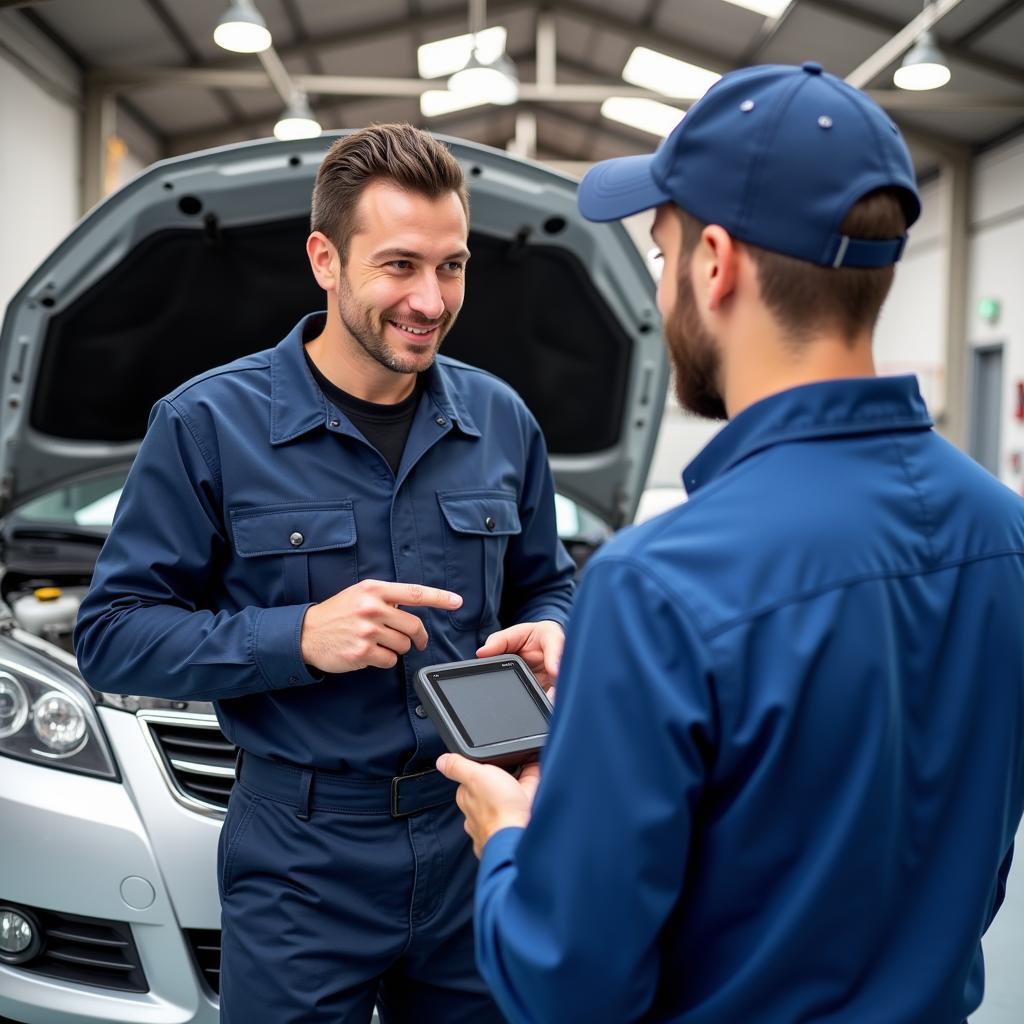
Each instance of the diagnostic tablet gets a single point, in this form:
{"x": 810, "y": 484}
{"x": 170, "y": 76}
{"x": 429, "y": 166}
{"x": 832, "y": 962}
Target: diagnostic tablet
{"x": 488, "y": 709}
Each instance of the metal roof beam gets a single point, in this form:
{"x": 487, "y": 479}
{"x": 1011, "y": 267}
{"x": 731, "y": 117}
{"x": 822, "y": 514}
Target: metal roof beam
{"x": 351, "y": 85}
{"x": 866, "y": 72}
{"x": 941, "y": 145}
{"x": 896, "y": 101}
{"x": 385, "y": 28}
{"x": 560, "y": 92}
{"x": 769, "y": 30}
{"x": 300, "y": 33}
{"x": 952, "y": 48}
{"x": 641, "y": 36}
{"x": 990, "y": 21}
{"x": 170, "y": 24}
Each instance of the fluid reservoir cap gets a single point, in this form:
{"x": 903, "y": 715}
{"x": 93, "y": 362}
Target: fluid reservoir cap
{"x": 48, "y": 593}
{"x": 137, "y": 892}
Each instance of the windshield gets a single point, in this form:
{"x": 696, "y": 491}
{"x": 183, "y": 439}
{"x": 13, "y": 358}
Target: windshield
{"x": 92, "y": 503}
{"x": 89, "y": 502}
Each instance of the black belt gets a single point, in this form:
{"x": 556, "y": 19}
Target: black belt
{"x": 321, "y": 790}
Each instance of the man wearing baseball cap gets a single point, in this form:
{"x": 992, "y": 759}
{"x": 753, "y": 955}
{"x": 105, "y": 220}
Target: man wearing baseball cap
{"x": 787, "y": 761}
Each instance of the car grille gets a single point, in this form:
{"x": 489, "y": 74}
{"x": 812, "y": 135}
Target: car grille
{"x": 87, "y": 951}
{"x": 197, "y": 759}
{"x": 205, "y": 946}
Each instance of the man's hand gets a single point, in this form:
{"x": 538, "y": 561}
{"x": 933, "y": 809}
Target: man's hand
{"x": 363, "y": 625}
{"x": 489, "y": 797}
{"x": 539, "y": 644}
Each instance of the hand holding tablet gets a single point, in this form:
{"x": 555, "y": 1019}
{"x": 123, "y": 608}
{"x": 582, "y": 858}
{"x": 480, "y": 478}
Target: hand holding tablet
{"x": 490, "y": 710}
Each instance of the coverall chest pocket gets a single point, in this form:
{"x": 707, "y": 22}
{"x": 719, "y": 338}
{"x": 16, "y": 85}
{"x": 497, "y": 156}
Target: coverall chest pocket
{"x": 307, "y": 550}
{"x": 477, "y": 526}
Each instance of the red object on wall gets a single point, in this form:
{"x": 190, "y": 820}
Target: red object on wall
{"x": 1019, "y": 413}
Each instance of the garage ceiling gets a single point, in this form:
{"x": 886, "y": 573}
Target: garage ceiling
{"x": 983, "y": 39}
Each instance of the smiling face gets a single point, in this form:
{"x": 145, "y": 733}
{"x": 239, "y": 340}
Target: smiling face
{"x": 403, "y": 283}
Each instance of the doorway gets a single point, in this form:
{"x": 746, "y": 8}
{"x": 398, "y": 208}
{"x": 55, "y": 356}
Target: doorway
{"x": 986, "y": 416}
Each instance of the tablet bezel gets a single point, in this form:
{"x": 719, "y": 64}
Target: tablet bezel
{"x": 453, "y": 732}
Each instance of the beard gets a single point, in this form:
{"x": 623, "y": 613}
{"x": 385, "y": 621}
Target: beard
{"x": 368, "y": 326}
{"x": 696, "y": 360}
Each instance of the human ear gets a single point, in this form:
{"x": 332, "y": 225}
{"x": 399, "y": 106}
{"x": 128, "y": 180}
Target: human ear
{"x": 717, "y": 259}
{"x": 323, "y": 260}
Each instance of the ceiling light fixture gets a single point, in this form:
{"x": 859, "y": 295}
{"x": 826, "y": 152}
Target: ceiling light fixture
{"x": 242, "y": 29}
{"x": 924, "y": 67}
{"x": 297, "y": 121}
{"x": 489, "y": 81}
{"x": 446, "y": 56}
{"x": 659, "y": 72}
{"x": 435, "y": 102}
{"x": 769, "y": 8}
{"x": 496, "y": 82}
{"x": 647, "y": 115}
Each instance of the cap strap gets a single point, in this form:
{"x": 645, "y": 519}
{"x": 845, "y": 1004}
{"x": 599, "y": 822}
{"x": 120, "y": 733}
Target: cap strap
{"x": 866, "y": 252}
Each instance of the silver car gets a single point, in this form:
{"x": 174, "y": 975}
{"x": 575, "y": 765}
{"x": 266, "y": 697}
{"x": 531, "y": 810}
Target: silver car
{"x": 111, "y": 805}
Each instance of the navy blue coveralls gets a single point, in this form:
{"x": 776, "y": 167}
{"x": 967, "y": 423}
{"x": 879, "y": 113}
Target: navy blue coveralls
{"x": 250, "y": 498}
{"x": 786, "y": 764}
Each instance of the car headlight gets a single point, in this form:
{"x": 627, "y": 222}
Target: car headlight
{"x": 47, "y": 716}
{"x": 13, "y": 705}
{"x": 59, "y": 724}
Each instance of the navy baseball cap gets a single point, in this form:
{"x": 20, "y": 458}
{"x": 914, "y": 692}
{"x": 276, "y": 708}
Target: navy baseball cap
{"x": 776, "y": 155}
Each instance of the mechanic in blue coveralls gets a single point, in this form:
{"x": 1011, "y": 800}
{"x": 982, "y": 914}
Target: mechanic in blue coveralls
{"x": 786, "y": 763}
{"x": 300, "y": 532}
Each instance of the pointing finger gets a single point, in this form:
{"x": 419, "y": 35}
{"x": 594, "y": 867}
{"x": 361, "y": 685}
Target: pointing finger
{"x": 417, "y": 594}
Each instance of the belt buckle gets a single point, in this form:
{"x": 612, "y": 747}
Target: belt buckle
{"x": 395, "y": 811}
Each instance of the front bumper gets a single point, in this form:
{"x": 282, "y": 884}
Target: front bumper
{"x": 71, "y": 845}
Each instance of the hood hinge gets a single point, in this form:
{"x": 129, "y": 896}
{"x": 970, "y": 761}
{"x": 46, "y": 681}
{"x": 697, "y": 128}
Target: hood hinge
{"x": 6, "y": 491}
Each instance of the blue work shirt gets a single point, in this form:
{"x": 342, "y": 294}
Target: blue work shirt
{"x": 252, "y": 496}
{"x": 787, "y": 759}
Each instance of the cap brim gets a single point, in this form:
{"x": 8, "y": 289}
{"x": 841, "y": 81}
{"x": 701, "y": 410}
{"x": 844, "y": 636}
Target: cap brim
{"x": 619, "y": 188}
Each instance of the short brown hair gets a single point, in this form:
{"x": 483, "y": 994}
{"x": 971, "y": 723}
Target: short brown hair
{"x": 411, "y": 158}
{"x": 806, "y": 298}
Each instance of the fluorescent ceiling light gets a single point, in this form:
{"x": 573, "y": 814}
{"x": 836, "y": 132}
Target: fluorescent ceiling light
{"x": 769, "y": 8}
{"x": 662, "y": 73}
{"x": 297, "y": 121}
{"x": 923, "y": 68}
{"x": 446, "y": 56}
{"x": 242, "y": 29}
{"x": 647, "y": 115}
{"x": 496, "y": 82}
{"x": 435, "y": 102}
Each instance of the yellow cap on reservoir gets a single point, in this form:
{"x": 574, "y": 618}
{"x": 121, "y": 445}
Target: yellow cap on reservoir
{"x": 48, "y": 593}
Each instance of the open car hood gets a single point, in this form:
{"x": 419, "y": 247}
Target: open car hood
{"x": 201, "y": 259}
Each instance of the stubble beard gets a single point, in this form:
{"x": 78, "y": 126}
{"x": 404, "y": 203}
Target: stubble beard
{"x": 367, "y": 327}
{"x": 695, "y": 356}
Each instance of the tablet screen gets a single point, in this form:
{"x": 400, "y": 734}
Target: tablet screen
{"x": 493, "y": 707}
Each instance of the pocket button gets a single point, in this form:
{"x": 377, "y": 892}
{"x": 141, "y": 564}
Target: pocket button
{"x": 296, "y": 540}
{"x": 490, "y": 523}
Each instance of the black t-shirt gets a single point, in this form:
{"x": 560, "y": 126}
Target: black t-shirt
{"x": 386, "y": 427}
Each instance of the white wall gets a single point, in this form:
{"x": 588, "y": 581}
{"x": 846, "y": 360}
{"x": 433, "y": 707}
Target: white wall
{"x": 910, "y": 337}
{"x": 39, "y": 155}
{"x": 41, "y": 149}
{"x": 997, "y": 271}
